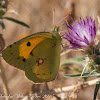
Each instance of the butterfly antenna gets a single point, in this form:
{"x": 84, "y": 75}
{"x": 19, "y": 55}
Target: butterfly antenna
{"x": 53, "y": 16}
{"x": 62, "y": 32}
{"x": 62, "y": 20}
{"x": 94, "y": 16}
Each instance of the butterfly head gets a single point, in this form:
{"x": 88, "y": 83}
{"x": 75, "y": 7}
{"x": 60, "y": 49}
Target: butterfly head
{"x": 55, "y": 29}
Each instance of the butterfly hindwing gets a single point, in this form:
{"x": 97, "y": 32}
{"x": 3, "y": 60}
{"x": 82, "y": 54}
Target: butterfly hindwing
{"x": 45, "y": 61}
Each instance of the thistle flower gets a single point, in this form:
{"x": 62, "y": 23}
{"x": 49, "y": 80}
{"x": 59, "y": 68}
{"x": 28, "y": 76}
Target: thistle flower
{"x": 81, "y": 34}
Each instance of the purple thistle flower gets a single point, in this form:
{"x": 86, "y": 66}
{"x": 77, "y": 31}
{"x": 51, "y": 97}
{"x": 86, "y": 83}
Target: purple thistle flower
{"x": 81, "y": 34}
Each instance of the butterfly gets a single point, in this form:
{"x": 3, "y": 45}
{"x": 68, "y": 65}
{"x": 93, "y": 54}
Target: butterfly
{"x": 38, "y": 55}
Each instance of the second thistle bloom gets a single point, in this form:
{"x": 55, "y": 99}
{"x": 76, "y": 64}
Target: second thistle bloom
{"x": 81, "y": 34}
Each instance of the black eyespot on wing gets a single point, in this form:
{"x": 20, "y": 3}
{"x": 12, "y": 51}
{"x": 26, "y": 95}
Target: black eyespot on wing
{"x": 28, "y": 44}
{"x": 11, "y": 53}
{"x": 23, "y": 60}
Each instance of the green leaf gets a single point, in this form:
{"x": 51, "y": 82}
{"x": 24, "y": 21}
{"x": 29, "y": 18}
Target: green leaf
{"x": 2, "y": 25}
{"x": 96, "y": 89}
{"x": 76, "y": 60}
{"x": 77, "y": 69}
{"x": 1, "y": 13}
{"x": 84, "y": 75}
{"x": 16, "y": 21}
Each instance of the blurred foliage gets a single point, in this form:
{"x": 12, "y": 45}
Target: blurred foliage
{"x": 92, "y": 63}
{"x": 75, "y": 60}
{"x": 13, "y": 20}
{"x": 16, "y": 21}
{"x": 65, "y": 65}
{"x": 84, "y": 75}
{"x": 2, "y": 25}
{"x": 96, "y": 89}
{"x": 3, "y": 9}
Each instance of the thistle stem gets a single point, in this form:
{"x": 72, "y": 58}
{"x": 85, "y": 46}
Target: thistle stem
{"x": 83, "y": 69}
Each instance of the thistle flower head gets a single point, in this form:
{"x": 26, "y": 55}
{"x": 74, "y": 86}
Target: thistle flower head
{"x": 81, "y": 34}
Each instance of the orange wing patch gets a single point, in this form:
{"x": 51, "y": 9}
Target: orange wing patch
{"x": 28, "y": 45}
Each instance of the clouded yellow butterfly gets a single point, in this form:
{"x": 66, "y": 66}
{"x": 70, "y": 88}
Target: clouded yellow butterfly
{"x": 38, "y": 55}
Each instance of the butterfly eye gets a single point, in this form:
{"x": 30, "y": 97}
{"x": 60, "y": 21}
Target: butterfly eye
{"x": 28, "y": 43}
